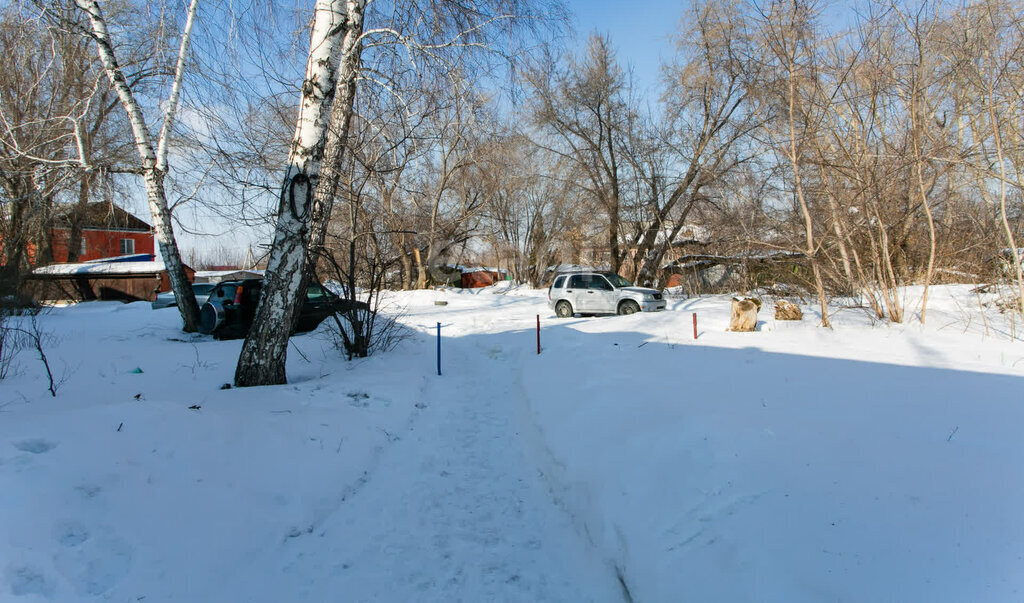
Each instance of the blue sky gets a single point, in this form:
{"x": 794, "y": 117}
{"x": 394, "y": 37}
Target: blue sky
{"x": 640, "y": 31}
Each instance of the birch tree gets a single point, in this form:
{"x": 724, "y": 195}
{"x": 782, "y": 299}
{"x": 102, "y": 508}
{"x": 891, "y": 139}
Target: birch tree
{"x": 152, "y": 150}
{"x": 330, "y": 70}
{"x": 444, "y": 36}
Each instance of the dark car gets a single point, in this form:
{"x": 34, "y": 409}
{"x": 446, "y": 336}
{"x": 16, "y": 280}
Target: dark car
{"x": 229, "y": 311}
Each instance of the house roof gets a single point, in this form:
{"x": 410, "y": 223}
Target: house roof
{"x": 100, "y": 269}
{"x": 127, "y": 266}
{"x": 217, "y": 276}
{"x": 468, "y": 269}
{"x": 102, "y": 215}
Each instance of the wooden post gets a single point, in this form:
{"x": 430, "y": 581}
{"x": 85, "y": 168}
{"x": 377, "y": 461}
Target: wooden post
{"x": 538, "y": 334}
{"x": 439, "y": 349}
{"x": 695, "y": 325}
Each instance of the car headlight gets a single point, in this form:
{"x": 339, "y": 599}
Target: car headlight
{"x": 648, "y": 297}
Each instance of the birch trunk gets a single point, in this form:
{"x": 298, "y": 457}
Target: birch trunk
{"x": 307, "y": 195}
{"x": 154, "y": 164}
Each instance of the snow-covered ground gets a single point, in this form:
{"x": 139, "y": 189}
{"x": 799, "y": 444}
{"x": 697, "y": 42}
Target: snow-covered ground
{"x": 625, "y": 462}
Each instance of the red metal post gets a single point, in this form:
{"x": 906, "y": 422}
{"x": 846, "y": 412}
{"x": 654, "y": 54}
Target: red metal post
{"x": 538, "y": 333}
{"x": 695, "y": 325}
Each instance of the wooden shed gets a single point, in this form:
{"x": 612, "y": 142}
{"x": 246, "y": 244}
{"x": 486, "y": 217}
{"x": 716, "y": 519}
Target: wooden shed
{"x": 481, "y": 277}
{"x": 129, "y": 278}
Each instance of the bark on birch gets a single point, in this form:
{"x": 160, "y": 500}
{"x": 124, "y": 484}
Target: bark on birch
{"x": 307, "y": 195}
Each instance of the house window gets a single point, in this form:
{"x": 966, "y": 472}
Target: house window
{"x": 127, "y": 246}
{"x": 81, "y": 246}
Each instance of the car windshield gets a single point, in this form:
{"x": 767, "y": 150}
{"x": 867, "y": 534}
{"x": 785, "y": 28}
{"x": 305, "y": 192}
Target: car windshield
{"x": 202, "y": 288}
{"x": 617, "y": 280}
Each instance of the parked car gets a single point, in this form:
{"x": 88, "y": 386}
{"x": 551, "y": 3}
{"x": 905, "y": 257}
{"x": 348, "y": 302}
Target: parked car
{"x": 229, "y": 311}
{"x": 600, "y": 293}
{"x": 166, "y": 299}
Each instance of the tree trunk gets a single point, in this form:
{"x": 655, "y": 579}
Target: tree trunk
{"x": 14, "y": 240}
{"x": 997, "y": 136}
{"x": 168, "y": 249}
{"x": 810, "y": 251}
{"x": 154, "y": 164}
{"x": 421, "y": 272}
{"x": 406, "y": 272}
{"x": 320, "y": 137}
{"x": 75, "y": 230}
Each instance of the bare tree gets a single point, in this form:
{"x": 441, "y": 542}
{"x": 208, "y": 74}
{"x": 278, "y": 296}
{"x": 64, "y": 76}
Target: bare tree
{"x": 584, "y": 109}
{"x": 787, "y": 33}
{"x": 34, "y": 108}
{"x": 709, "y": 117}
{"x": 989, "y": 53}
{"x": 531, "y": 205}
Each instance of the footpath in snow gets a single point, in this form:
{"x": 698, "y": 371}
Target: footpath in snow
{"x": 456, "y": 510}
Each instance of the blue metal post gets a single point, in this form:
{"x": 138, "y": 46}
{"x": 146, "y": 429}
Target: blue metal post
{"x": 439, "y": 349}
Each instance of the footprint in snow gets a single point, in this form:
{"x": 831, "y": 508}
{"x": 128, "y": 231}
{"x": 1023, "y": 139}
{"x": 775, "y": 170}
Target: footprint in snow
{"x": 359, "y": 399}
{"x": 71, "y": 534}
{"x": 28, "y": 580}
{"x": 88, "y": 490}
{"x": 35, "y": 446}
{"x": 92, "y": 564}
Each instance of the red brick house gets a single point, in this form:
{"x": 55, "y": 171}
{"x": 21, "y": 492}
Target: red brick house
{"x": 115, "y": 258}
{"x": 107, "y": 231}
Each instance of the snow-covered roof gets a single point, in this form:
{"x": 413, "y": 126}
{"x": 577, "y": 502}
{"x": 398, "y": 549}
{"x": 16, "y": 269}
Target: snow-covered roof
{"x": 135, "y": 257}
{"x": 216, "y": 273}
{"x": 578, "y": 268}
{"x": 689, "y": 261}
{"x": 483, "y": 269}
{"x": 100, "y": 268}
{"x": 465, "y": 269}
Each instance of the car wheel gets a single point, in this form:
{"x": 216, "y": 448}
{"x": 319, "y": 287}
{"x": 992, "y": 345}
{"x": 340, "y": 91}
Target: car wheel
{"x": 629, "y": 307}
{"x": 563, "y": 309}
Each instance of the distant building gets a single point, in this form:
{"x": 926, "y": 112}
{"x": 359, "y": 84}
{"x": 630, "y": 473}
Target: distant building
{"x": 482, "y": 277}
{"x": 107, "y": 231}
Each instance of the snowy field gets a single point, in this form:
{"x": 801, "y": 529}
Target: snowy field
{"x": 627, "y": 462}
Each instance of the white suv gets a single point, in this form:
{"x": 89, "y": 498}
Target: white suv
{"x": 600, "y": 293}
